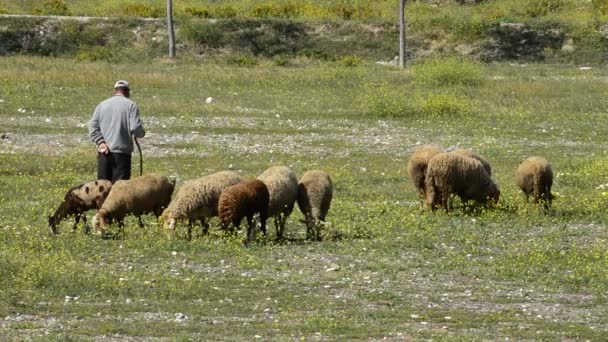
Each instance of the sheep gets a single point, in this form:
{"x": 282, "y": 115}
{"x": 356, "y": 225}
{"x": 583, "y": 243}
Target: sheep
{"x": 283, "y": 187}
{"x": 78, "y": 200}
{"x": 244, "y": 199}
{"x": 535, "y": 177}
{"x": 468, "y": 153}
{"x": 198, "y": 200}
{"x": 315, "y": 192}
{"x": 451, "y": 174}
{"x": 137, "y": 196}
{"x": 416, "y": 167}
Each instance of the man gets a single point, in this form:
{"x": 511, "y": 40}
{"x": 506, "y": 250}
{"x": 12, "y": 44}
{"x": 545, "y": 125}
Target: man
{"x": 114, "y": 121}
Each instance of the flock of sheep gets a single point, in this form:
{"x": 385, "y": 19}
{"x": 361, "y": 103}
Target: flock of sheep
{"x": 224, "y": 194}
{"x": 439, "y": 176}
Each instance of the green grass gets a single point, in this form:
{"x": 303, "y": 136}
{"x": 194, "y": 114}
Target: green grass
{"x": 516, "y": 272}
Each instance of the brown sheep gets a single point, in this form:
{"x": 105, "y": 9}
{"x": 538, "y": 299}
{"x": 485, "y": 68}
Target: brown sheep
{"x": 314, "y": 198}
{"x": 416, "y": 167}
{"x": 450, "y": 174}
{"x": 468, "y": 153}
{"x": 244, "y": 199}
{"x": 535, "y": 177}
{"x": 78, "y": 200}
{"x": 136, "y": 196}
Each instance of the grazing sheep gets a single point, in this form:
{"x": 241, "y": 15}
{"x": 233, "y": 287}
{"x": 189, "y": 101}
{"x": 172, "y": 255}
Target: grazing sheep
{"x": 416, "y": 167}
{"x": 468, "y": 153}
{"x": 451, "y": 174}
{"x": 78, "y": 200}
{"x": 283, "y": 187}
{"x": 137, "y": 196}
{"x": 535, "y": 176}
{"x": 315, "y": 191}
{"x": 197, "y": 200}
{"x": 244, "y": 199}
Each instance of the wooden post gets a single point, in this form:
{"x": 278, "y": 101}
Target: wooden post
{"x": 170, "y": 29}
{"x": 402, "y": 34}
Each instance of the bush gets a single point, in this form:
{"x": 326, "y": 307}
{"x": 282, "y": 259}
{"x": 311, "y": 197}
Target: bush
{"x": 281, "y": 60}
{"x": 241, "y": 60}
{"x": 272, "y": 10}
{"x": 350, "y": 61}
{"x": 386, "y": 101}
{"x": 142, "y": 11}
{"x": 94, "y": 53}
{"x": 53, "y": 7}
{"x": 200, "y": 12}
{"x": 3, "y": 11}
{"x": 600, "y": 6}
{"x": 539, "y": 8}
{"x": 445, "y": 105}
{"x": 202, "y": 33}
{"x": 439, "y": 71}
{"x": 224, "y": 11}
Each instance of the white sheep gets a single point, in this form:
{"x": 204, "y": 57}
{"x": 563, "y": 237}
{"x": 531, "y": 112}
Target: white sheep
{"x": 78, "y": 200}
{"x": 451, "y": 174}
{"x": 137, "y": 196}
{"x": 315, "y": 192}
{"x": 197, "y": 199}
{"x": 535, "y": 177}
{"x": 283, "y": 187}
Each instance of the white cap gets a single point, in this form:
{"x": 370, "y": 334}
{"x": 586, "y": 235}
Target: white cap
{"x": 121, "y": 84}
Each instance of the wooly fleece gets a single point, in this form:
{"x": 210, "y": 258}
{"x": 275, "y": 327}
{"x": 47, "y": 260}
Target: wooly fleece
{"x": 535, "y": 177}
{"x": 78, "y": 200}
{"x": 451, "y": 174}
{"x": 314, "y": 199}
{"x": 282, "y": 185}
{"x": 417, "y": 165}
{"x": 244, "y": 199}
{"x": 137, "y": 196}
{"x": 198, "y": 199}
{"x": 468, "y": 153}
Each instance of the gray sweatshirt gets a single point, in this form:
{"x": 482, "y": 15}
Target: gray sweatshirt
{"x": 114, "y": 121}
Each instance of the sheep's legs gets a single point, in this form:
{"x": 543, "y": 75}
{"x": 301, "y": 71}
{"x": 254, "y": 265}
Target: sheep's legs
{"x": 250, "y": 227}
{"x": 141, "y": 224}
{"x": 204, "y": 226}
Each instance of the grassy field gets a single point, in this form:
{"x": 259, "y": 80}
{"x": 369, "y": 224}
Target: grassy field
{"x": 384, "y": 270}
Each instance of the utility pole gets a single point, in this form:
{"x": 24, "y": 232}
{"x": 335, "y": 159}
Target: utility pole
{"x": 402, "y": 34}
{"x": 170, "y": 29}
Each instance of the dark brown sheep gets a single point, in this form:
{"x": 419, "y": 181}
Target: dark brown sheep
{"x": 535, "y": 177}
{"x": 450, "y": 174}
{"x": 244, "y": 199}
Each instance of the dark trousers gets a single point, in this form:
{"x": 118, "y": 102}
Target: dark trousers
{"x": 113, "y": 166}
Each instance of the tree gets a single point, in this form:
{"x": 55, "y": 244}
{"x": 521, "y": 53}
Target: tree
{"x": 402, "y": 34}
{"x": 170, "y": 29}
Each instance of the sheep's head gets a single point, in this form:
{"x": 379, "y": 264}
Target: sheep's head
{"x": 53, "y": 224}
{"x": 99, "y": 220}
{"x": 494, "y": 196}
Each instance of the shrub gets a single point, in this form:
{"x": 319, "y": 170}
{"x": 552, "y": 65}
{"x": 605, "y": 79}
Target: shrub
{"x": 94, "y": 53}
{"x": 281, "y": 60}
{"x": 445, "y": 105}
{"x": 350, "y": 61}
{"x": 142, "y": 11}
{"x": 53, "y": 7}
{"x": 539, "y": 8}
{"x": 202, "y": 33}
{"x": 3, "y": 11}
{"x": 224, "y": 11}
{"x": 200, "y": 12}
{"x": 241, "y": 60}
{"x": 600, "y": 6}
{"x": 386, "y": 101}
{"x": 439, "y": 71}
{"x": 265, "y": 10}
